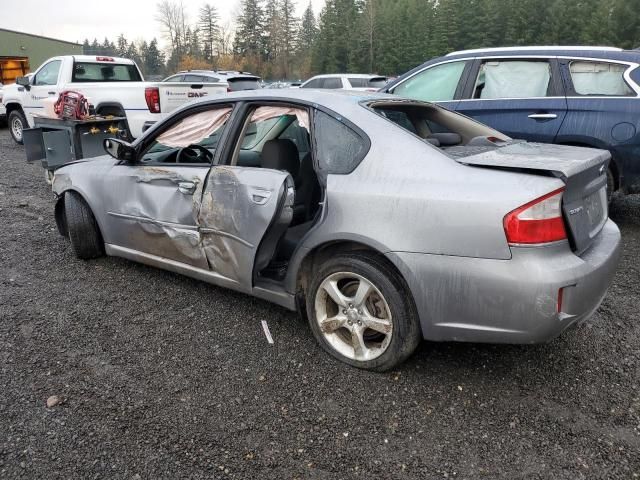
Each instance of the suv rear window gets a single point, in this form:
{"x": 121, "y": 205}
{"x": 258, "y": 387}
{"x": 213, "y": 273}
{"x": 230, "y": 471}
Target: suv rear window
{"x": 599, "y": 78}
{"x": 104, "y": 72}
{"x": 243, "y": 83}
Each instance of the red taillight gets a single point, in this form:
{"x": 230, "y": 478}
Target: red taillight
{"x": 104, "y": 59}
{"x": 229, "y": 90}
{"x": 539, "y": 221}
{"x": 152, "y": 96}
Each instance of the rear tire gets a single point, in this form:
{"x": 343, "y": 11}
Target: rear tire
{"x": 17, "y": 124}
{"x": 343, "y": 328}
{"x": 84, "y": 233}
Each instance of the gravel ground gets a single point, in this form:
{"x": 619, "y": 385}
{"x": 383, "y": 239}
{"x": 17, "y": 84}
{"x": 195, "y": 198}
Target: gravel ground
{"x": 161, "y": 376}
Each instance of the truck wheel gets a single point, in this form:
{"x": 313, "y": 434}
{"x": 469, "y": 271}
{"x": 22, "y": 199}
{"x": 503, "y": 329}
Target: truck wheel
{"x": 84, "y": 233}
{"x": 17, "y": 124}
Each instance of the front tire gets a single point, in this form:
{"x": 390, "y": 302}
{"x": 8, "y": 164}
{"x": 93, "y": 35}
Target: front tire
{"x": 84, "y": 233}
{"x": 17, "y": 124}
{"x": 360, "y": 312}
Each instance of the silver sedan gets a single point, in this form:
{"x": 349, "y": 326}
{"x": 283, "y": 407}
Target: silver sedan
{"x": 382, "y": 220}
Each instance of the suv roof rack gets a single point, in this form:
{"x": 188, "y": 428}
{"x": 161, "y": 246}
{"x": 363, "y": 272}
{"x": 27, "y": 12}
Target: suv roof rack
{"x": 550, "y": 47}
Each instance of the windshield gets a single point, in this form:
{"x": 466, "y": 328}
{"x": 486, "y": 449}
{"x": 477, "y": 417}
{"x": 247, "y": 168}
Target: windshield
{"x": 104, "y": 72}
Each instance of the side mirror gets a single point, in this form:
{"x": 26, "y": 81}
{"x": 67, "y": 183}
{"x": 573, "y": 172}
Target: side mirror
{"x": 24, "y": 81}
{"x": 119, "y": 149}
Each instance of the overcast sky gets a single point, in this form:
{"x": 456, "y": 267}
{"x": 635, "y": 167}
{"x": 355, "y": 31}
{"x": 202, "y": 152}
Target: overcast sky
{"x": 75, "y": 20}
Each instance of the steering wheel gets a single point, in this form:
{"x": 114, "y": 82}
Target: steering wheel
{"x": 199, "y": 154}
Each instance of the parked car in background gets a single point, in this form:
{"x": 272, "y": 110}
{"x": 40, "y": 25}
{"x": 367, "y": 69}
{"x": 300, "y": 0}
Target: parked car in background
{"x": 358, "y": 212}
{"x": 281, "y": 84}
{"x": 114, "y": 86}
{"x": 355, "y": 81}
{"x": 585, "y": 96}
{"x": 235, "y": 81}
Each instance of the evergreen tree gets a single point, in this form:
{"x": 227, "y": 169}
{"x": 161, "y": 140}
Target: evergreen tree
{"x": 210, "y": 30}
{"x": 250, "y": 29}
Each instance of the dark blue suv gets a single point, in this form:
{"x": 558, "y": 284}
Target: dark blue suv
{"x": 587, "y": 96}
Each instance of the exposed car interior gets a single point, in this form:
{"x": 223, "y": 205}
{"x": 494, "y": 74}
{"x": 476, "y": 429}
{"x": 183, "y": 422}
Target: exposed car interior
{"x": 278, "y": 138}
{"x": 456, "y": 135}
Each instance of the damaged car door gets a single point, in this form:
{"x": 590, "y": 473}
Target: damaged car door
{"x": 152, "y": 204}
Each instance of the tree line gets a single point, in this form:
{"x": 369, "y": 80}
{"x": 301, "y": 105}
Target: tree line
{"x": 368, "y": 36}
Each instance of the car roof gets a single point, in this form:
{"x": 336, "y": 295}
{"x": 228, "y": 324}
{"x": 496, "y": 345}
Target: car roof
{"x": 221, "y": 73}
{"x": 553, "y": 48}
{"x": 611, "y": 53}
{"x": 347, "y": 75}
{"x": 340, "y": 101}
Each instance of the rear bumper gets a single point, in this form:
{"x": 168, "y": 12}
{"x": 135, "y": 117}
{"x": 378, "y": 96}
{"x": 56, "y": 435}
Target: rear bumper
{"x": 510, "y": 301}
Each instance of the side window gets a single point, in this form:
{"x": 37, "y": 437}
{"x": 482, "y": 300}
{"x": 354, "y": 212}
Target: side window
{"x": 435, "y": 84}
{"x": 315, "y": 83}
{"x": 48, "y": 75}
{"x": 339, "y": 149}
{"x": 193, "y": 78}
{"x": 599, "y": 78}
{"x": 332, "y": 83}
{"x": 203, "y": 129}
{"x": 512, "y": 79}
{"x": 175, "y": 78}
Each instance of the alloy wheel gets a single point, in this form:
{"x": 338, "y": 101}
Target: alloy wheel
{"x": 353, "y": 316}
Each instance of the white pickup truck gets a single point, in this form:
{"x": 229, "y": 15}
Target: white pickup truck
{"x": 113, "y": 86}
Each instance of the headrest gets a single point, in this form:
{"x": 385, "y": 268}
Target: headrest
{"x": 281, "y": 155}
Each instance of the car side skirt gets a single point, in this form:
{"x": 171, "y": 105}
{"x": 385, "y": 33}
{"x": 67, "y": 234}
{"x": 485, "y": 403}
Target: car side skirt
{"x": 277, "y": 296}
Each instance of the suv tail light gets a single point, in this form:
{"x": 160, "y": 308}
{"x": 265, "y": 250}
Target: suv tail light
{"x": 152, "y": 96}
{"x": 539, "y": 221}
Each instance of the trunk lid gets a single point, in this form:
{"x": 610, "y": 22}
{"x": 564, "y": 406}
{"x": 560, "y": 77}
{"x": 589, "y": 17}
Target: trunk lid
{"x": 583, "y": 170}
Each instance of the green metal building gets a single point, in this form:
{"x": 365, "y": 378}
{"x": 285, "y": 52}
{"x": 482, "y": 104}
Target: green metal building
{"x": 21, "y": 53}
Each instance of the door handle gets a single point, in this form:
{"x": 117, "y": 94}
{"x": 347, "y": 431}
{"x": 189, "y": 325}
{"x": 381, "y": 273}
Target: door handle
{"x": 259, "y": 196}
{"x": 51, "y": 93}
{"x": 543, "y": 116}
{"x": 187, "y": 188}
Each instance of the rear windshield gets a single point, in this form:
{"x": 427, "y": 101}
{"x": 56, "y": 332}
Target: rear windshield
{"x": 377, "y": 82}
{"x": 437, "y": 126}
{"x": 104, "y": 72}
{"x": 238, "y": 84}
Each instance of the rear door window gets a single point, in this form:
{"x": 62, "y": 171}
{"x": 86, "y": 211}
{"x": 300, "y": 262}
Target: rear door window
{"x": 512, "y": 79}
{"x": 599, "y": 78}
{"x": 435, "y": 84}
{"x": 332, "y": 83}
{"x": 339, "y": 149}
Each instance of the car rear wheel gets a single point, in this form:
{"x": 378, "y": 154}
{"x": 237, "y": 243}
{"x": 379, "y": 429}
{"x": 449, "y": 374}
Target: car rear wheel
{"x": 360, "y": 312}
{"x": 84, "y": 233}
{"x": 17, "y": 124}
